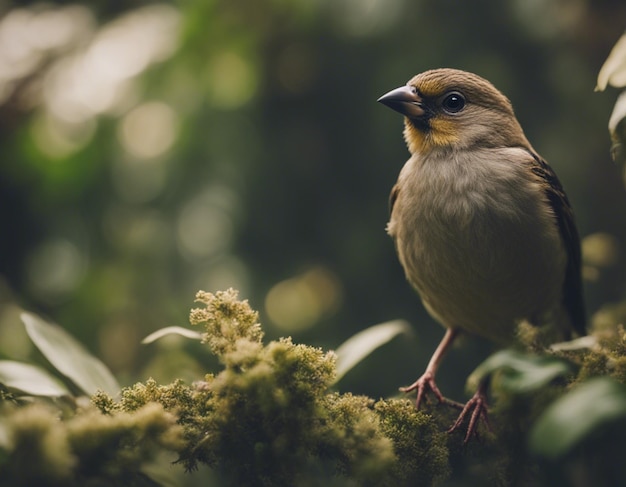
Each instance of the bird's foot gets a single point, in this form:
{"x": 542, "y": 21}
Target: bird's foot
{"x": 423, "y": 385}
{"x": 476, "y": 409}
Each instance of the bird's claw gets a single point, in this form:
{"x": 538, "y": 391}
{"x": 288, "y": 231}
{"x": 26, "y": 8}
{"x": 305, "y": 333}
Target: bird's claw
{"x": 423, "y": 385}
{"x": 476, "y": 408}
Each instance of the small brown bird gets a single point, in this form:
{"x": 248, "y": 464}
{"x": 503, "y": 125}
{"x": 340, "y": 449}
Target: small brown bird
{"x": 482, "y": 226}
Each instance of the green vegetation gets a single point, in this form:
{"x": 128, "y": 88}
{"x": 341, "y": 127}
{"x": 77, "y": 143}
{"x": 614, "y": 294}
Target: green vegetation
{"x": 270, "y": 417}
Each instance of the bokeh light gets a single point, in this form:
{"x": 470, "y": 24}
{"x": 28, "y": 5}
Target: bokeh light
{"x": 231, "y": 80}
{"x": 205, "y": 226}
{"x": 55, "y": 269}
{"x": 95, "y": 79}
{"x": 300, "y": 302}
{"x": 58, "y": 138}
{"x": 27, "y": 36}
{"x": 149, "y": 130}
{"x": 363, "y": 18}
{"x": 600, "y": 250}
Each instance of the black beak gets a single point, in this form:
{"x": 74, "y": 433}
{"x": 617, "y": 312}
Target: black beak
{"x": 404, "y": 100}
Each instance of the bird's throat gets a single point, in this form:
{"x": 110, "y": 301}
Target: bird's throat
{"x": 415, "y": 134}
{"x": 425, "y": 135}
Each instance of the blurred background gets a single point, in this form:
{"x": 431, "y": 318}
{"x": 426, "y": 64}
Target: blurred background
{"x": 149, "y": 150}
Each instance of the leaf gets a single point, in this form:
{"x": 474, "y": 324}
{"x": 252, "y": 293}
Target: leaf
{"x": 30, "y": 379}
{"x": 359, "y": 346}
{"x": 580, "y": 343}
{"x": 519, "y": 372}
{"x": 574, "y": 416}
{"x": 171, "y": 330}
{"x": 69, "y": 357}
{"x": 617, "y": 129}
{"x": 613, "y": 71}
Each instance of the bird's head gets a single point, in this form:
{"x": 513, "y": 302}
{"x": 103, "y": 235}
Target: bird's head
{"x": 450, "y": 109}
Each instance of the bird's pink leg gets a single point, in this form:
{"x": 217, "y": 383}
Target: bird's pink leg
{"x": 427, "y": 381}
{"x": 477, "y": 405}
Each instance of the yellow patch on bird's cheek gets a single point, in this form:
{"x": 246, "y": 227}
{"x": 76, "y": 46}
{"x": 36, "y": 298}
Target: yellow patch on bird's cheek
{"x": 443, "y": 132}
{"x": 414, "y": 137}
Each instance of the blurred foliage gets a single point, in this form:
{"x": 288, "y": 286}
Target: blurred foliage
{"x": 269, "y": 417}
{"x": 613, "y": 73}
{"x": 153, "y": 149}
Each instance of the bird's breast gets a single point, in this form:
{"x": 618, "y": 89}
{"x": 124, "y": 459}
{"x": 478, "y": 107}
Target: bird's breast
{"x": 478, "y": 239}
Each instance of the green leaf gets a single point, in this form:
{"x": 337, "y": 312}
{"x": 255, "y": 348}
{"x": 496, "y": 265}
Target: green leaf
{"x": 519, "y": 372}
{"x": 172, "y": 330}
{"x": 30, "y": 379}
{"x": 613, "y": 71}
{"x": 571, "y": 418}
{"x": 69, "y": 357}
{"x": 359, "y": 346}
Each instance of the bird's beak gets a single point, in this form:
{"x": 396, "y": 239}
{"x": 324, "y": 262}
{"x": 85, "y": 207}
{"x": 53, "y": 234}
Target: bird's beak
{"x": 404, "y": 100}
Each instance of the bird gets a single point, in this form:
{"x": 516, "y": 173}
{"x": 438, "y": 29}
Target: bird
{"x": 482, "y": 226}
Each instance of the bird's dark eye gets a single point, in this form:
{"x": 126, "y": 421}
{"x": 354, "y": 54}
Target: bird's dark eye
{"x": 453, "y": 103}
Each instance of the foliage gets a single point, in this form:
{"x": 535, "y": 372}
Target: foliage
{"x": 613, "y": 73}
{"x": 359, "y": 346}
{"x": 268, "y": 418}
{"x": 92, "y": 373}
{"x": 86, "y": 448}
{"x": 576, "y": 415}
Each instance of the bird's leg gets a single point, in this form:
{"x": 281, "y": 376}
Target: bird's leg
{"x": 427, "y": 381}
{"x": 476, "y": 409}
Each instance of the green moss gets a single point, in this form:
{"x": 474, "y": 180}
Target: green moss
{"x": 421, "y": 453}
{"x": 38, "y": 445}
{"x": 89, "y": 448}
{"x": 269, "y": 417}
{"x": 226, "y": 321}
{"x": 112, "y": 446}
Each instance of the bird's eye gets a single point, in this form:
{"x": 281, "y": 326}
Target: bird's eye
{"x": 453, "y": 103}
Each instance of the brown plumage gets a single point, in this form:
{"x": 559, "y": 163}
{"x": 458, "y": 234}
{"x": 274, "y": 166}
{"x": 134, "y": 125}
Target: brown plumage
{"x": 482, "y": 226}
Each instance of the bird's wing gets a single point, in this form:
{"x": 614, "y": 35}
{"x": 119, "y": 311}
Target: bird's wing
{"x": 572, "y": 287}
